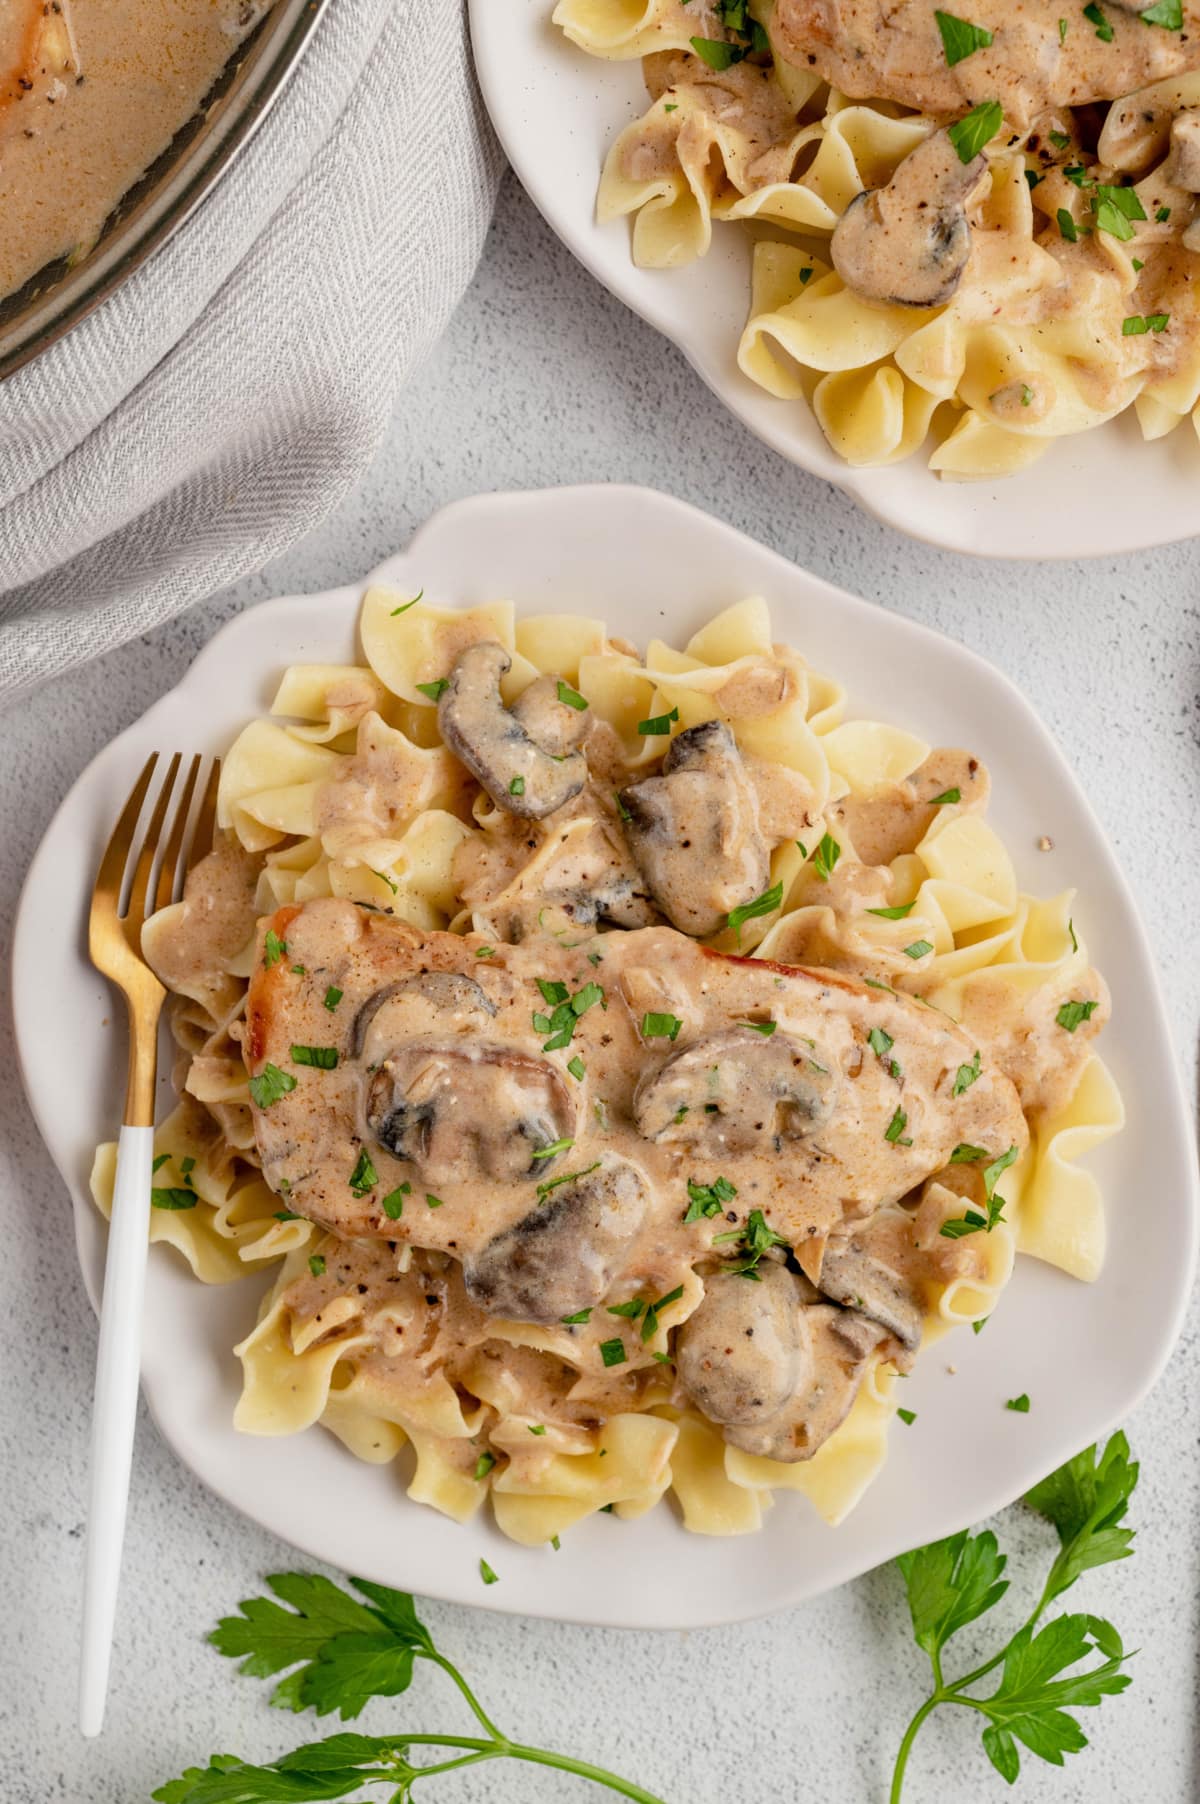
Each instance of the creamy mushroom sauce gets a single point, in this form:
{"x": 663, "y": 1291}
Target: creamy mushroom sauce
{"x": 91, "y": 92}
{"x": 686, "y": 1175}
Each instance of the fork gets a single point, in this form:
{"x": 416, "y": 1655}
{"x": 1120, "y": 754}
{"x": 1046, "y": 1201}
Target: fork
{"x": 118, "y": 913}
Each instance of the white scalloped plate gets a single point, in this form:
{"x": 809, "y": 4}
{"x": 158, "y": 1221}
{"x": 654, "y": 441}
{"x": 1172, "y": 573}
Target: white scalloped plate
{"x": 1086, "y": 1354}
{"x": 556, "y": 110}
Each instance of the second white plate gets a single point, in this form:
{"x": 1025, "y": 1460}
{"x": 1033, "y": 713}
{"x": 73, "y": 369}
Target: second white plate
{"x": 556, "y": 111}
{"x": 1086, "y": 1354}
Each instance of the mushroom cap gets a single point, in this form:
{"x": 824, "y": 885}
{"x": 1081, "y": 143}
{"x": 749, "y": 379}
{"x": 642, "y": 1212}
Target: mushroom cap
{"x": 520, "y": 775}
{"x": 565, "y": 1253}
{"x": 851, "y": 1276}
{"x": 909, "y": 242}
{"x": 694, "y": 830}
{"x": 460, "y": 1109}
{"x": 744, "y": 1352}
{"x": 416, "y": 1004}
{"x": 737, "y": 1090}
{"x": 842, "y": 1343}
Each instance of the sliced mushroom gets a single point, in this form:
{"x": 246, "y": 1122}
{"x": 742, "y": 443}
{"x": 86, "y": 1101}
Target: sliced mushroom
{"x": 1183, "y": 167}
{"x": 461, "y": 1110}
{"x": 519, "y": 774}
{"x": 738, "y": 1090}
{"x": 399, "y": 1010}
{"x": 842, "y": 1343}
{"x": 746, "y": 1350}
{"x": 908, "y": 243}
{"x": 556, "y": 726}
{"x": 851, "y": 1276}
{"x": 694, "y": 831}
{"x": 564, "y": 1255}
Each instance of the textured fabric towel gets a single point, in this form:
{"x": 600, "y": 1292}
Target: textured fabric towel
{"x": 222, "y": 401}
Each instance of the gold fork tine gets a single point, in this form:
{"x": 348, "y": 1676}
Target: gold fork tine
{"x": 170, "y": 859}
{"x": 206, "y": 820}
{"x": 135, "y": 914}
{"x": 116, "y": 854}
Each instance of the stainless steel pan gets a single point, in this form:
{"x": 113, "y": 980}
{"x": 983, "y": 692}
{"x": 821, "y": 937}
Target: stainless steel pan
{"x": 52, "y": 301}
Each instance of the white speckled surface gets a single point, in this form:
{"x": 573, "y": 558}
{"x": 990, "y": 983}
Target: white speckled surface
{"x": 543, "y": 378}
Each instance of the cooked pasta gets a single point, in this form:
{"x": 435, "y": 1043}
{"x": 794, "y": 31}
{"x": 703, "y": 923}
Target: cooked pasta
{"x": 621, "y": 1065}
{"x": 958, "y": 246}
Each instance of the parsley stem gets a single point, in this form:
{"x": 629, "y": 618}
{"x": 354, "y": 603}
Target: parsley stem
{"x": 582, "y": 1769}
{"x": 910, "y": 1735}
{"x": 477, "y": 1708}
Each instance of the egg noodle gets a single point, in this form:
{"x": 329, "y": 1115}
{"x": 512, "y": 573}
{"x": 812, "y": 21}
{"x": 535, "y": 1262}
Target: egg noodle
{"x": 347, "y": 791}
{"x": 1070, "y": 297}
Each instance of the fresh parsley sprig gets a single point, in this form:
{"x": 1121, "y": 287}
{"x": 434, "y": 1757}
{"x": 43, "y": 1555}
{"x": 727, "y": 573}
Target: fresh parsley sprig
{"x": 953, "y": 1582}
{"x": 342, "y": 1653}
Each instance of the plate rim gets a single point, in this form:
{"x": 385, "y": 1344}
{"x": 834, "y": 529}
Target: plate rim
{"x": 676, "y": 514}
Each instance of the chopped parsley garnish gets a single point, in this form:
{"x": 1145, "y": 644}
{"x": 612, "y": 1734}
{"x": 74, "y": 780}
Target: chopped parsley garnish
{"x": 907, "y": 1415}
{"x": 286, "y": 1215}
{"x": 434, "y": 690}
{"x": 649, "y": 1326}
{"x": 960, "y": 38}
{"x": 975, "y": 129}
{"x": 485, "y": 952}
{"x": 552, "y": 992}
{"x": 1135, "y": 324}
{"x": 1060, "y": 140}
{"x": 384, "y": 878}
{"x": 570, "y": 698}
{"x": 577, "y": 1068}
{"x": 364, "y": 1177}
{"x": 560, "y": 1025}
{"x": 299, "y": 971}
{"x": 173, "y": 1198}
{"x": 918, "y": 949}
{"x": 765, "y": 1028}
{"x": 323, "y": 1058}
{"x": 947, "y": 798}
{"x": 408, "y": 604}
{"x": 708, "y": 1199}
{"x": 894, "y": 914}
{"x": 487, "y": 1575}
{"x": 1104, "y": 30}
{"x": 483, "y": 1466}
{"x": 393, "y": 1202}
{"x": 517, "y": 787}
{"x": 1162, "y": 215}
{"x": 979, "y": 1326}
{"x": 552, "y": 1151}
{"x": 972, "y": 1222}
{"x": 1072, "y": 1013}
{"x": 826, "y": 856}
{"x": 270, "y": 1084}
{"x": 660, "y": 1027}
{"x": 316, "y": 1265}
{"x": 996, "y": 1170}
{"x": 881, "y": 1043}
{"x": 536, "y": 1428}
{"x": 660, "y": 724}
{"x": 630, "y": 1310}
{"x": 1020, "y": 1404}
{"x": 160, "y": 1161}
{"x": 566, "y": 1177}
{"x": 765, "y": 904}
{"x": 435, "y": 1202}
{"x": 1071, "y": 931}
{"x": 1167, "y": 13}
{"x": 273, "y": 948}
{"x": 1116, "y": 208}
{"x": 580, "y": 1316}
{"x": 966, "y": 1076}
{"x": 612, "y": 1352}
{"x": 1067, "y": 226}
{"x": 621, "y": 808}
{"x": 757, "y": 1238}
{"x": 966, "y": 1154}
{"x": 332, "y": 997}
{"x": 895, "y": 1128}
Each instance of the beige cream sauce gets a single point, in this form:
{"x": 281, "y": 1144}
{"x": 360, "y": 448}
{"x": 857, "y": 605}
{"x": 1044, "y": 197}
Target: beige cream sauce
{"x": 884, "y": 50}
{"x": 80, "y": 135}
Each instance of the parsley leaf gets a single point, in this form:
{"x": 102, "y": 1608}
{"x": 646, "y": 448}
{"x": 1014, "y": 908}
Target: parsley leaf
{"x": 273, "y": 948}
{"x": 270, "y": 1084}
{"x": 826, "y": 856}
{"x": 323, "y": 1058}
{"x": 894, "y": 914}
{"x": 1072, "y": 1013}
{"x": 569, "y": 697}
{"x": 707, "y": 1200}
{"x": 975, "y": 129}
{"x": 766, "y": 904}
{"x": 966, "y": 1076}
{"x": 660, "y": 724}
{"x": 660, "y": 1027}
{"x": 960, "y": 38}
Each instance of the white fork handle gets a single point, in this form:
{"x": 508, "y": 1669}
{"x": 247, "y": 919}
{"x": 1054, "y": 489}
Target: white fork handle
{"x": 114, "y": 1414}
